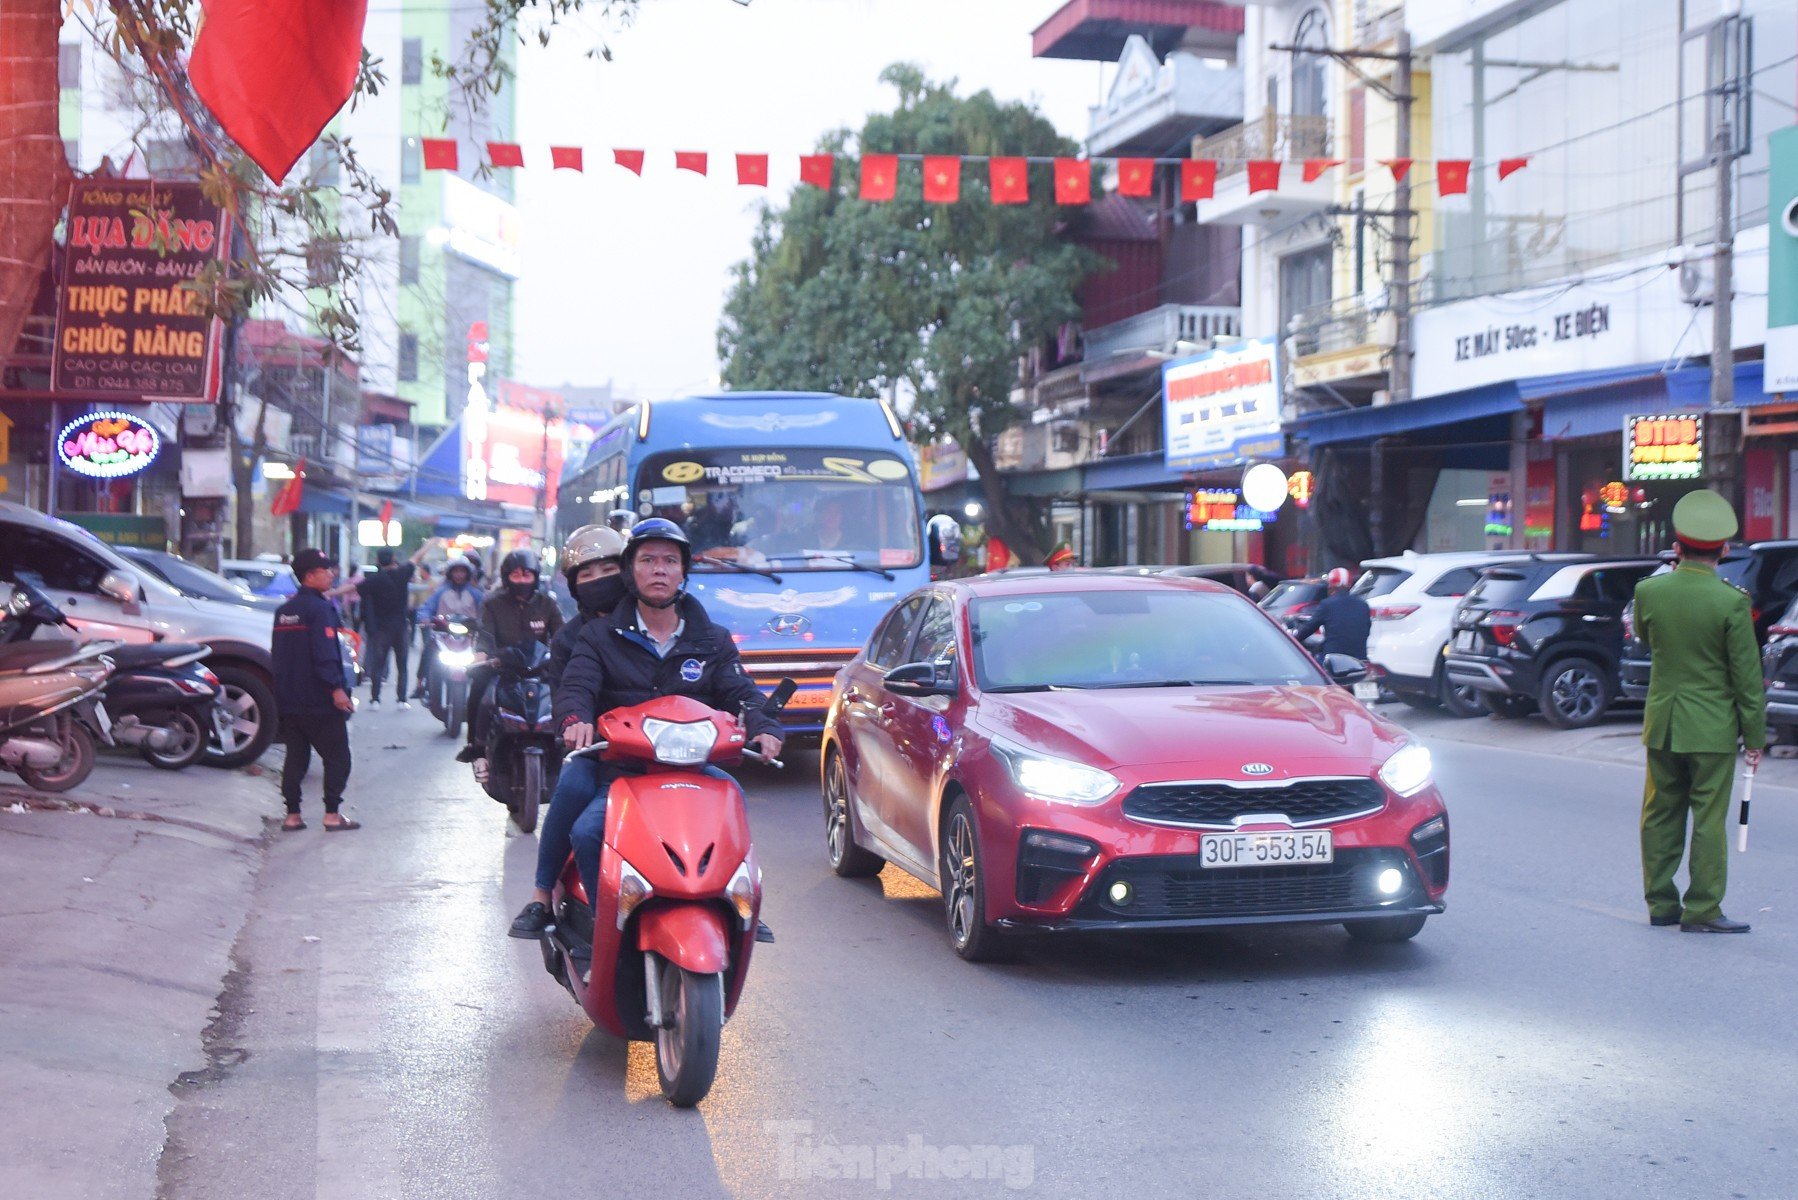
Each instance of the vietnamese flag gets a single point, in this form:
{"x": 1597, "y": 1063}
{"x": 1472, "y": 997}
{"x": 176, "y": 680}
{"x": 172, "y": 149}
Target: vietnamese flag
{"x": 1400, "y": 167}
{"x": 1198, "y": 179}
{"x": 440, "y": 153}
{"x": 1508, "y": 167}
{"x": 565, "y": 156}
{"x": 942, "y": 178}
{"x": 690, "y": 160}
{"x": 1136, "y": 177}
{"x": 505, "y": 154}
{"x": 817, "y": 169}
{"x": 1009, "y": 179}
{"x": 287, "y": 501}
{"x": 752, "y": 169}
{"x": 274, "y": 72}
{"x": 1315, "y": 167}
{"x": 386, "y": 518}
{"x": 1264, "y": 175}
{"x": 1073, "y": 181}
{"x": 630, "y": 160}
{"x": 880, "y": 173}
{"x": 1451, "y": 176}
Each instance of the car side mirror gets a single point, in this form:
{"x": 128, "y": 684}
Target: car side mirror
{"x": 123, "y": 587}
{"x": 1345, "y": 669}
{"x": 920, "y": 679}
{"x": 945, "y": 540}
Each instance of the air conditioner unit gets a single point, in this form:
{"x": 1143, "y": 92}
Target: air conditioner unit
{"x": 1698, "y": 279}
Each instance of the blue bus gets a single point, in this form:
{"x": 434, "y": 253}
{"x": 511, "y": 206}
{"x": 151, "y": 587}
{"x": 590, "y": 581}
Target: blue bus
{"x": 803, "y": 509}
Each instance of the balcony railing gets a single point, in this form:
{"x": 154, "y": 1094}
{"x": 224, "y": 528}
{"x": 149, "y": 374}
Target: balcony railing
{"x": 1159, "y": 329}
{"x": 1345, "y": 324}
{"x": 1272, "y": 135}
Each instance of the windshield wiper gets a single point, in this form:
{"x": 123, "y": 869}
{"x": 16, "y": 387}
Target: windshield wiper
{"x": 1180, "y": 683}
{"x": 734, "y": 565}
{"x": 850, "y": 560}
{"x": 1037, "y": 687}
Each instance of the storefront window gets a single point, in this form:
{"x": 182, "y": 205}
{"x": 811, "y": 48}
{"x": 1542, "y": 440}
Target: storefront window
{"x": 1459, "y": 507}
{"x": 1610, "y": 516}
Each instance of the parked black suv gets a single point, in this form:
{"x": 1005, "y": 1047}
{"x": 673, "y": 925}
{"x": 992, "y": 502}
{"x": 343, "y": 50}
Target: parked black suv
{"x": 1779, "y": 663}
{"x": 1550, "y": 633}
{"x": 1767, "y": 571}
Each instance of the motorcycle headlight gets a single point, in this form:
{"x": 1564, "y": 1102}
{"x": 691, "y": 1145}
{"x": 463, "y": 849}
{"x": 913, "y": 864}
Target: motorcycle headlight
{"x": 1408, "y": 770}
{"x": 1060, "y": 779}
{"x": 456, "y": 658}
{"x": 458, "y": 629}
{"x": 633, "y": 890}
{"x": 681, "y": 743}
{"x": 742, "y": 891}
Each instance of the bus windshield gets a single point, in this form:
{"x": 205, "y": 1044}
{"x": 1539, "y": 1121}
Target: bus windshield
{"x": 792, "y": 508}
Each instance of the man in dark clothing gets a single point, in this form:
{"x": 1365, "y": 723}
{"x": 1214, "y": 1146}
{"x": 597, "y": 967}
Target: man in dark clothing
{"x": 384, "y": 621}
{"x": 515, "y": 614}
{"x": 1343, "y": 616}
{"x": 314, "y": 704}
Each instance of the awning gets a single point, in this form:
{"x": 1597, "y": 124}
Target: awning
{"x": 1365, "y": 424}
{"x": 1690, "y": 387}
{"x": 1597, "y": 403}
{"x": 1132, "y": 471}
{"x": 316, "y": 500}
{"x": 1044, "y": 483}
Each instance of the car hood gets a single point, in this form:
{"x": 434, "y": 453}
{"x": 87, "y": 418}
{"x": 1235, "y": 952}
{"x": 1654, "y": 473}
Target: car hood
{"x": 189, "y": 618}
{"x": 1201, "y": 731}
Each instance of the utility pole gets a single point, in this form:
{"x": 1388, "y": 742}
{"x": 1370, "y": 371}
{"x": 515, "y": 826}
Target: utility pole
{"x": 1723, "y": 357}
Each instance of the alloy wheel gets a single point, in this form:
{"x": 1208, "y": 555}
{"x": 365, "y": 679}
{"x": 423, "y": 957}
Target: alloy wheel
{"x": 960, "y": 861}
{"x": 836, "y": 812}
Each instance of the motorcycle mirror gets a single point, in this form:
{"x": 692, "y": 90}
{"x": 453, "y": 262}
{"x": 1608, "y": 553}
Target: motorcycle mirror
{"x": 1345, "y": 668}
{"x": 777, "y": 700}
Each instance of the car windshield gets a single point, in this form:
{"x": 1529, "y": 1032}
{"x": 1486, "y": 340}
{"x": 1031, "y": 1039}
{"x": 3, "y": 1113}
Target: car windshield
{"x": 195, "y": 580}
{"x": 1129, "y": 639}
{"x": 796, "y": 509}
{"x": 1292, "y": 591}
{"x": 1379, "y": 581}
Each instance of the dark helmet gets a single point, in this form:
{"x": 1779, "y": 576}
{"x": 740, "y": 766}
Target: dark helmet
{"x": 659, "y": 529}
{"x": 520, "y": 559}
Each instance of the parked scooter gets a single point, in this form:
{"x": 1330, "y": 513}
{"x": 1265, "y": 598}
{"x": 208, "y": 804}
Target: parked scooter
{"x": 524, "y": 753}
{"x": 661, "y": 952}
{"x": 41, "y": 686}
{"x": 446, "y": 690}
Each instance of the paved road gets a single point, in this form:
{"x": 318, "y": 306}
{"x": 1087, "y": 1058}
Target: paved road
{"x": 382, "y": 1037}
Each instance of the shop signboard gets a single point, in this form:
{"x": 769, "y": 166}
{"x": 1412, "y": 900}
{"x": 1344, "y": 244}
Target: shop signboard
{"x": 1221, "y": 510}
{"x": 123, "y": 529}
{"x": 482, "y": 228}
{"x": 1665, "y": 447}
{"x": 107, "y": 445}
{"x": 127, "y": 323}
{"x": 510, "y": 455}
{"x": 941, "y": 465}
{"x": 1782, "y": 261}
{"x": 1222, "y": 407}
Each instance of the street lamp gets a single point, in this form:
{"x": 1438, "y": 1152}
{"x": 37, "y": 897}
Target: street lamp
{"x": 972, "y": 509}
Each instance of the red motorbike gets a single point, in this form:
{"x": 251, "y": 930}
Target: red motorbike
{"x": 661, "y": 953}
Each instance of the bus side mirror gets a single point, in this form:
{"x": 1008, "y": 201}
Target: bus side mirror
{"x": 945, "y": 540}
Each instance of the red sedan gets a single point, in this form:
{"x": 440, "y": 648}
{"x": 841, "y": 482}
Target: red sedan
{"x": 1085, "y": 751}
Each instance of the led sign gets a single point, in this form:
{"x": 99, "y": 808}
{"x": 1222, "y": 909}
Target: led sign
{"x": 107, "y": 445}
{"x": 1663, "y": 447}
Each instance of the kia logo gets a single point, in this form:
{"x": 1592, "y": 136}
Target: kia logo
{"x": 1257, "y": 768}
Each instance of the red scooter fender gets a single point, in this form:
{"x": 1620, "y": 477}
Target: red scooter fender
{"x": 689, "y": 935}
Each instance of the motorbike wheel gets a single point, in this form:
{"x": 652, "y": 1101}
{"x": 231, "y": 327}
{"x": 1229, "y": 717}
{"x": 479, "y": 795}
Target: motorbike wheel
{"x": 250, "y": 719}
{"x": 76, "y": 765}
{"x": 530, "y": 795}
{"x": 847, "y": 860}
{"x": 455, "y": 706}
{"x": 687, "y": 1049}
{"x": 189, "y": 744}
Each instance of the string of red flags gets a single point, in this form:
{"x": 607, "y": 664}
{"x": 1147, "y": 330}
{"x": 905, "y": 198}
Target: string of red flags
{"x": 1008, "y": 177}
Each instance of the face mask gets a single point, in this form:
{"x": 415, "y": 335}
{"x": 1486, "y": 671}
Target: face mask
{"x": 600, "y": 595}
{"x": 521, "y": 591}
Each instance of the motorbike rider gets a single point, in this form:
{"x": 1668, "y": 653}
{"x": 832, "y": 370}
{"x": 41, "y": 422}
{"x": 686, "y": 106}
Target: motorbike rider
{"x": 517, "y": 614}
{"x": 456, "y": 599}
{"x": 1343, "y": 616}
{"x": 592, "y": 563}
{"x": 658, "y": 641}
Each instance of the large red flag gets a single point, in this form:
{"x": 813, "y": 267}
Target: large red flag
{"x": 1073, "y": 181}
{"x": 274, "y": 72}
{"x": 386, "y": 518}
{"x": 1198, "y": 179}
{"x": 880, "y": 173}
{"x": 1009, "y": 179}
{"x": 942, "y": 178}
{"x": 816, "y": 169}
{"x": 1136, "y": 177}
{"x": 287, "y": 500}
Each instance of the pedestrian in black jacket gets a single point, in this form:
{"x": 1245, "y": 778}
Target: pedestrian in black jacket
{"x": 387, "y": 623}
{"x": 1343, "y": 616}
{"x": 310, "y": 694}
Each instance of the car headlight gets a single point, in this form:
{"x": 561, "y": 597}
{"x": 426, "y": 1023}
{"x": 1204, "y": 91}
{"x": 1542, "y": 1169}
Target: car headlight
{"x": 681, "y": 743}
{"x": 742, "y": 891}
{"x": 1408, "y": 770}
{"x": 456, "y": 658}
{"x": 633, "y": 890}
{"x": 1059, "y": 779}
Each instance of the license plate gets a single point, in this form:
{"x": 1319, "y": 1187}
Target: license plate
{"x": 1367, "y": 689}
{"x": 1266, "y": 849}
{"x": 1464, "y": 640}
{"x": 820, "y": 699}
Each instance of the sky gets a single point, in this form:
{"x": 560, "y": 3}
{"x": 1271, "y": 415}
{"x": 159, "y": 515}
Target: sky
{"x": 624, "y": 278}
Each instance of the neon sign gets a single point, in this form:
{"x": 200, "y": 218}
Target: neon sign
{"x": 107, "y": 445}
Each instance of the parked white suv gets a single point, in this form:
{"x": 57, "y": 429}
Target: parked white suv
{"x": 1412, "y": 598}
{"x": 106, "y": 597}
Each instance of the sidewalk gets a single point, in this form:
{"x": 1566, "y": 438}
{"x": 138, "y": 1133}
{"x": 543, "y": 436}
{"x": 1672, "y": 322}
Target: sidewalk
{"x": 123, "y": 900}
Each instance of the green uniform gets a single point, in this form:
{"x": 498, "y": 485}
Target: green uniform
{"x": 1705, "y": 696}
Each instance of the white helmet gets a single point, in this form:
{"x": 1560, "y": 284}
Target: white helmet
{"x": 590, "y": 544}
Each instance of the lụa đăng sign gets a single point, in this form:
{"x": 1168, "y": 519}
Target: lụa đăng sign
{"x": 128, "y": 325}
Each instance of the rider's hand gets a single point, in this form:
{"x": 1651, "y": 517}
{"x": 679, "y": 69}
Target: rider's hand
{"x": 578, "y": 736}
{"x": 342, "y": 700}
{"x": 1754, "y": 758}
{"x": 766, "y": 745}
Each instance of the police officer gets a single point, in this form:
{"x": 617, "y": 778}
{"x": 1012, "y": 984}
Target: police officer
{"x": 310, "y": 690}
{"x": 1343, "y": 616}
{"x": 1705, "y": 697}
{"x": 515, "y": 614}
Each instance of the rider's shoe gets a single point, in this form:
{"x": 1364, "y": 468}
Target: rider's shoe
{"x": 531, "y": 922}
{"x": 468, "y": 753}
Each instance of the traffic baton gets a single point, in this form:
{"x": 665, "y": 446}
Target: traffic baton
{"x": 1742, "y": 817}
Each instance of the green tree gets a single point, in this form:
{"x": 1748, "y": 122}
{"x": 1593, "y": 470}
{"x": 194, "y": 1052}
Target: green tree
{"x": 938, "y": 300}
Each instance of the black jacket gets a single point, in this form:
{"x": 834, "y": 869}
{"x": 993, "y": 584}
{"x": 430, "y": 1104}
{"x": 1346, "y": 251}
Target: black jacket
{"x": 614, "y": 666}
{"x": 508, "y": 622}
{"x": 308, "y": 659}
{"x": 1346, "y": 622}
{"x": 384, "y": 595}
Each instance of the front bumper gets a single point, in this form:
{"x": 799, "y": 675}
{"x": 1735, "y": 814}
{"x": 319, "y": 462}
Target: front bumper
{"x": 1633, "y": 678}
